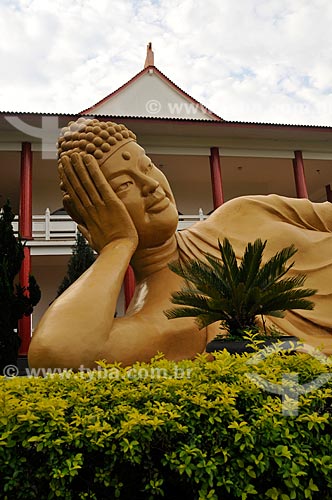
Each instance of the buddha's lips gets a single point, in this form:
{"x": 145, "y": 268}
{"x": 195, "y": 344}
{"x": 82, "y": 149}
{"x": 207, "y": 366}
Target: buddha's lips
{"x": 158, "y": 204}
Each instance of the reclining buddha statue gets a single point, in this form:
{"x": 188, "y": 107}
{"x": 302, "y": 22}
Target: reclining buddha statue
{"x": 125, "y": 208}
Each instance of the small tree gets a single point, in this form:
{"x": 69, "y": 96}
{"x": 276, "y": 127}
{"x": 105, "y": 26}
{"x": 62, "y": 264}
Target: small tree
{"x": 235, "y": 294}
{"x": 16, "y": 301}
{"x": 81, "y": 259}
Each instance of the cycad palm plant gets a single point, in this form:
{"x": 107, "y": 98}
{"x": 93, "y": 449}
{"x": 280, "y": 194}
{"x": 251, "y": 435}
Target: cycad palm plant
{"x": 236, "y": 294}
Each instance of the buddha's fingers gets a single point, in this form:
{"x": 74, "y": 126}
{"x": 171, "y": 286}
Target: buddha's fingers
{"x": 85, "y": 183}
{"x": 81, "y": 182}
{"x": 104, "y": 189}
{"x": 71, "y": 197}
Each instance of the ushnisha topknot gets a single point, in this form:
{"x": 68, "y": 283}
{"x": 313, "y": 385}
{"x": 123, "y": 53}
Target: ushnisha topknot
{"x": 100, "y": 139}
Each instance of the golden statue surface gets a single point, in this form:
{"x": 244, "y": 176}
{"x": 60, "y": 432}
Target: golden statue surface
{"x": 125, "y": 208}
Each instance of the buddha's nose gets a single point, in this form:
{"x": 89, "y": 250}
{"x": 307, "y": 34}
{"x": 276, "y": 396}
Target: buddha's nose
{"x": 149, "y": 186}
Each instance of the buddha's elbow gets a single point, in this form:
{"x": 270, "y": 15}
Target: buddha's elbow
{"x": 44, "y": 354}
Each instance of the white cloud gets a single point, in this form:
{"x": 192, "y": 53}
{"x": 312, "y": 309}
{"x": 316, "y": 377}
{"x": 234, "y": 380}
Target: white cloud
{"x": 250, "y": 60}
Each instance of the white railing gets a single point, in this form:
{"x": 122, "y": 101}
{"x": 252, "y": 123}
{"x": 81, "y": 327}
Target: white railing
{"x": 188, "y": 220}
{"x": 51, "y": 227}
{"x": 48, "y": 227}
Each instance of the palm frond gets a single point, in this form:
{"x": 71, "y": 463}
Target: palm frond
{"x": 219, "y": 289}
{"x": 181, "y": 312}
{"x": 251, "y": 262}
{"x": 202, "y": 318}
{"x": 182, "y": 268}
{"x": 190, "y": 298}
{"x": 292, "y": 299}
{"x": 275, "y": 268}
{"x": 207, "y": 319}
{"x": 193, "y": 298}
{"x": 229, "y": 263}
{"x": 287, "y": 284}
{"x": 277, "y": 314}
{"x": 196, "y": 272}
{"x": 218, "y": 271}
{"x": 206, "y": 279}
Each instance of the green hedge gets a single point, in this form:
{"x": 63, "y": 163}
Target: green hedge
{"x": 193, "y": 430}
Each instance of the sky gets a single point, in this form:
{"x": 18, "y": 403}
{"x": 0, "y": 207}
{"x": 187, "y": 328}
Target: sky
{"x": 246, "y": 60}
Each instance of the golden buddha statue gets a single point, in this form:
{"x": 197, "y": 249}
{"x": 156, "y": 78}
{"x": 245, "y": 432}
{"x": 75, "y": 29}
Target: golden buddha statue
{"x": 125, "y": 208}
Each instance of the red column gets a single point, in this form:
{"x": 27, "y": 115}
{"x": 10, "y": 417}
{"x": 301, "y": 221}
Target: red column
{"x": 129, "y": 285}
{"x": 24, "y": 324}
{"x": 217, "y": 191}
{"x": 26, "y": 192}
{"x": 328, "y": 192}
{"x": 298, "y": 166}
{"x": 25, "y": 229}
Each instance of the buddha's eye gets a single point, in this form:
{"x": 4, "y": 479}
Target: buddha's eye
{"x": 123, "y": 186}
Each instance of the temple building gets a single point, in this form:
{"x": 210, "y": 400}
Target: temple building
{"x": 206, "y": 158}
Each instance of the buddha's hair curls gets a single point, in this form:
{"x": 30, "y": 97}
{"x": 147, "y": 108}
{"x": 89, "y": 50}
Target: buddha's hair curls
{"x": 87, "y": 135}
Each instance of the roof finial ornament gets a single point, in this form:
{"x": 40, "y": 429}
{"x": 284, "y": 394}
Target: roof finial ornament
{"x": 149, "y": 61}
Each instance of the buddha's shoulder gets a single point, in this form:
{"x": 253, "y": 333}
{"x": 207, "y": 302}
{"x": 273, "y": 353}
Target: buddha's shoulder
{"x": 251, "y": 203}
{"x": 273, "y": 201}
{"x": 292, "y": 210}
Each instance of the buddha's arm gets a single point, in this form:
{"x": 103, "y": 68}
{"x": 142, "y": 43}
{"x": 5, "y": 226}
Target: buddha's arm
{"x": 76, "y": 326}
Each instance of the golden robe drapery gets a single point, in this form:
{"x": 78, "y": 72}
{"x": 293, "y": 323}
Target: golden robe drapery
{"x": 282, "y": 222}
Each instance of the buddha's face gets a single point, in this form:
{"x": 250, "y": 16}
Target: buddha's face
{"x": 145, "y": 192}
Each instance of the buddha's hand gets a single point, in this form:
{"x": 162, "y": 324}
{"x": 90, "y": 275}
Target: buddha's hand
{"x": 90, "y": 200}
